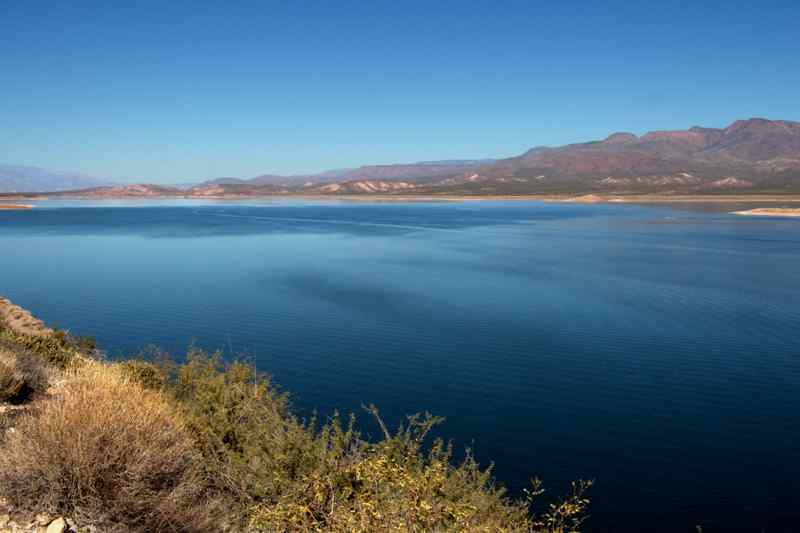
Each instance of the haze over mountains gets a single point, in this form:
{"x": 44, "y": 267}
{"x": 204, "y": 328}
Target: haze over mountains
{"x": 16, "y": 178}
{"x": 749, "y": 155}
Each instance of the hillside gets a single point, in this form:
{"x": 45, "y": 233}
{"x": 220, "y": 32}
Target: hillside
{"x": 748, "y": 156}
{"x": 755, "y": 155}
{"x": 422, "y": 171}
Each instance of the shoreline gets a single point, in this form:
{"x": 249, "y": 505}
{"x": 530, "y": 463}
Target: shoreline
{"x": 560, "y": 198}
{"x": 770, "y": 212}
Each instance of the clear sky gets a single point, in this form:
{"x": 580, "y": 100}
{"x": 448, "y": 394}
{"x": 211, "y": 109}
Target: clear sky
{"x": 172, "y": 91}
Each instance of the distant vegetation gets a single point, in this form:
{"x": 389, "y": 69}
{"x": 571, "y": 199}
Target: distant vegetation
{"x": 150, "y": 444}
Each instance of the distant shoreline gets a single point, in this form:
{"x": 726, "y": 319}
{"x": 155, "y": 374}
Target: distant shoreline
{"x": 565, "y": 198}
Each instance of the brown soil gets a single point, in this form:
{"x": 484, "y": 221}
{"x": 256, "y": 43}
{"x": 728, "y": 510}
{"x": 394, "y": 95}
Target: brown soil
{"x": 21, "y": 320}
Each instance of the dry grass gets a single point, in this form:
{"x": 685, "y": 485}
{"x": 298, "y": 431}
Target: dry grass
{"x": 12, "y": 381}
{"x": 106, "y": 451}
{"x": 22, "y": 375}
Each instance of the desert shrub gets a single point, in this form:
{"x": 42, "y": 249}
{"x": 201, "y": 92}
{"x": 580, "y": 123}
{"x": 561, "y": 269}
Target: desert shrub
{"x": 58, "y": 348}
{"x": 395, "y": 485}
{"x": 282, "y": 474}
{"x": 566, "y": 515}
{"x": 145, "y": 373}
{"x": 249, "y": 440}
{"x": 152, "y": 445}
{"x": 12, "y": 382}
{"x": 84, "y": 343}
{"x": 108, "y": 452}
{"x": 53, "y": 349}
{"x": 21, "y": 376}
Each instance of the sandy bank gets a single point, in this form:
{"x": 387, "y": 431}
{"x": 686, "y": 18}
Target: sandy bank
{"x": 16, "y": 206}
{"x": 771, "y": 212}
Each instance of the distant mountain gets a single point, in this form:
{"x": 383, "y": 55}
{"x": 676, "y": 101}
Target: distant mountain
{"x": 15, "y": 178}
{"x": 425, "y": 170}
{"x": 755, "y": 155}
{"x": 365, "y": 187}
{"x": 135, "y": 190}
{"x": 277, "y": 180}
{"x": 221, "y": 181}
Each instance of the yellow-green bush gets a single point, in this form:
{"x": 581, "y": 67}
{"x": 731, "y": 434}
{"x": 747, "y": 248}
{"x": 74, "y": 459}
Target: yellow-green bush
{"x": 249, "y": 439}
{"x": 281, "y": 474}
{"x": 57, "y": 349}
{"x": 395, "y": 486}
{"x": 146, "y": 374}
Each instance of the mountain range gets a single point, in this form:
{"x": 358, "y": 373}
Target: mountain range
{"x": 755, "y": 155}
{"x": 16, "y": 178}
{"x": 413, "y": 171}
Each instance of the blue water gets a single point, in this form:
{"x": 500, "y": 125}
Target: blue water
{"x": 656, "y": 350}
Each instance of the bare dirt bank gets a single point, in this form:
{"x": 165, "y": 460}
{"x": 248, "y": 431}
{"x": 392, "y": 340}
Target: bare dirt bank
{"x": 21, "y": 320}
{"x": 771, "y": 212}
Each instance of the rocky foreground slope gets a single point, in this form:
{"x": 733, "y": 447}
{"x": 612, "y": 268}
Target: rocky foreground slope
{"x": 20, "y": 380}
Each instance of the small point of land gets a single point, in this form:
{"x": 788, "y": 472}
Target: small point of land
{"x": 771, "y": 212}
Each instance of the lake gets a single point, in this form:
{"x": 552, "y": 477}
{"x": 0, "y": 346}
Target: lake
{"x": 655, "y": 350}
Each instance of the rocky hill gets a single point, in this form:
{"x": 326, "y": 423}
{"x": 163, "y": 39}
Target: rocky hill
{"x": 755, "y": 153}
{"x": 748, "y": 156}
{"x": 423, "y": 171}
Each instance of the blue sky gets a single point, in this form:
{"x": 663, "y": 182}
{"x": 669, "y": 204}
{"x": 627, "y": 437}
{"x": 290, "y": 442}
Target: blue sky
{"x": 179, "y": 91}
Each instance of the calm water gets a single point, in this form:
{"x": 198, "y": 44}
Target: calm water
{"x": 655, "y": 350}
